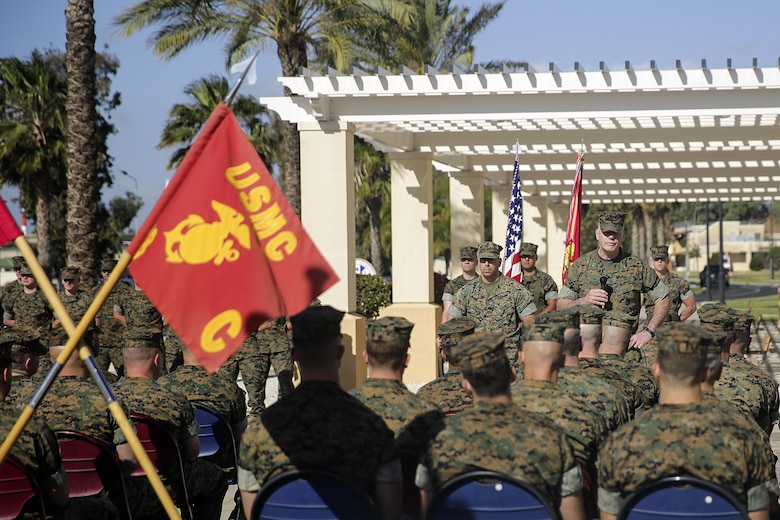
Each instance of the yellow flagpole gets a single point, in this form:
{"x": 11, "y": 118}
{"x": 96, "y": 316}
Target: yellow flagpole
{"x": 75, "y": 334}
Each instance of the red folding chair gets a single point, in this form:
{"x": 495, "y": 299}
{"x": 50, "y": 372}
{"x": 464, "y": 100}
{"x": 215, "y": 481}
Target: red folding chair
{"x": 163, "y": 451}
{"x": 92, "y": 466}
{"x": 18, "y": 488}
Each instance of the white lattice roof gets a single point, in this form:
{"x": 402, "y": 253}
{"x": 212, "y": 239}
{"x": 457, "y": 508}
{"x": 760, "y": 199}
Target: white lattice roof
{"x": 671, "y": 135}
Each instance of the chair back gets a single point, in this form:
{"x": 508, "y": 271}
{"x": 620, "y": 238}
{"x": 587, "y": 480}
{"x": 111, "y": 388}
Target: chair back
{"x": 163, "y": 451}
{"x": 682, "y": 496}
{"x": 92, "y": 465}
{"x": 488, "y": 495}
{"x": 18, "y": 486}
{"x": 216, "y": 437}
{"x": 312, "y": 495}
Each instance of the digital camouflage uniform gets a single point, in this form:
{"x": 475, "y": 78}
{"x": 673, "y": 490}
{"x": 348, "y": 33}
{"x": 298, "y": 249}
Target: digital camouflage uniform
{"x": 77, "y": 306}
{"x": 596, "y": 392}
{"x": 9, "y": 290}
{"x": 206, "y": 483}
{"x": 542, "y": 287}
{"x": 318, "y": 425}
{"x": 595, "y": 368}
{"x": 641, "y": 376}
{"x": 679, "y": 290}
{"x": 496, "y": 307}
{"x": 31, "y": 311}
{"x": 172, "y": 348}
{"x": 412, "y": 419}
{"x": 740, "y": 362}
{"x": 627, "y": 278}
{"x": 263, "y": 349}
{"x": 584, "y": 426}
{"x": 692, "y": 438}
{"x": 447, "y": 392}
{"x": 496, "y": 436}
{"x": 112, "y": 330}
{"x": 454, "y": 285}
{"x": 221, "y": 394}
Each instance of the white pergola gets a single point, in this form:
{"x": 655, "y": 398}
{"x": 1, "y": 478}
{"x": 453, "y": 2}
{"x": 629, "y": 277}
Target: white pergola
{"x": 681, "y": 134}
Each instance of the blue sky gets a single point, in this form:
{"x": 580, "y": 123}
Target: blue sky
{"x": 537, "y": 31}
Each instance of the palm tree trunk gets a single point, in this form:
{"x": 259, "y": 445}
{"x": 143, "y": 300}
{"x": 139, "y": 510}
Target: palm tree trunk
{"x": 636, "y": 230}
{"x": 648, "y": 222}
{"x": 42, "y": 228}
{"x": 374, "y": 205}
{"x": 83, "y": 190}
{"x": 292, "y": 56}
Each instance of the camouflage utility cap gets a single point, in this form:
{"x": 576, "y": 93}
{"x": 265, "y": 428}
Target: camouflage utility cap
{"x": 683, "y": 338}
{"x": 544, "y": 332}
{"x": 25, "y": 269}
{"x": 107, "y": 264}
{"x": 618, "y": 319}
{"x": 479, "y": 349}
{"x": 611, "y": 221}
{"x": 390, "y": 329}
{"x": 591, "y": 314}
{"x": 570, "y": 318}
{"x": 143, "y": 338}
{"x": 659, "y": 252}
{"x": 453, "y": 331}
{"x": 17, "y": 262}
{"x": 71, "y": 272}
{"x": 527, "y": 248}
{"x": 468, "y": 253}
{"x": 717, "y": 314}
{"x": 316, "y": 323}
{"x": 743, "y": 321}
{"x": 489, "y": 250}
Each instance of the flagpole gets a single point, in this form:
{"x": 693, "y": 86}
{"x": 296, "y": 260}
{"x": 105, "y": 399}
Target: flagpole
{"x": 233, "y": 91}
{"x": 75, "y": 334}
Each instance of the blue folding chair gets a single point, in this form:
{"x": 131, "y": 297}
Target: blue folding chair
{"x": 312, "y": 495}
{"x": 216, "y": 438}
{"x": 488, "y": 495}
{"x": 682, "y": 496}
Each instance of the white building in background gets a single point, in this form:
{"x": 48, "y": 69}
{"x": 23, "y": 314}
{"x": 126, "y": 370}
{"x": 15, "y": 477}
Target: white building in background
{"x": 740, "y": 242}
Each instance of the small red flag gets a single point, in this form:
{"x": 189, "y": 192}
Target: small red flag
{"x": 222, "y": 250}
{"x": 8, "y": 228}
{"x": 572, "y": 250}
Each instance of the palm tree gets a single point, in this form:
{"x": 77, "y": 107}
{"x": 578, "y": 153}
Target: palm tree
{"x": 298, "y": 28}
{"x": 83, "y": 143}
{"x": 372, "y": 185}
{"x": 186, "y": 120}
{"x": 32, "y": 137}
{"x": 428, "y": 32}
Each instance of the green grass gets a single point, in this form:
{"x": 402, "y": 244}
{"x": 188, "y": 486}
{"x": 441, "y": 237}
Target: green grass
{"x": 766, "y": 306}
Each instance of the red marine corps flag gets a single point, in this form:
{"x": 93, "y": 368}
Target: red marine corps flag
{"x": 572, "y": 249}
{"x": 222, "y": 250}
{"x": 8, "y": 228}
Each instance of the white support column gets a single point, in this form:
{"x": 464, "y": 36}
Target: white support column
{"x": 328, "y": 215}
{"x": 500, "y": 213}
{"x": 412, "y": 213}
{"x": 467, "y": 214}
{"x": 328, "y": 190}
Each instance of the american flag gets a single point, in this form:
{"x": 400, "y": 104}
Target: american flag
{"x": 514, "y": 227}
{"x": 572, "y": 249}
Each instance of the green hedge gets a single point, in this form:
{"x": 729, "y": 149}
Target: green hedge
{"x": 373, "y": 294}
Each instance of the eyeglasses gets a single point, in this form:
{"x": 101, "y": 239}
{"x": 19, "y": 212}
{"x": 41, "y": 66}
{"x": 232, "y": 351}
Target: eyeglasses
{"x": 68, "y": 280}
{"x": 526, "y": 256}
{"x": 26, "y": 276}
{"x": 485, "y": 260}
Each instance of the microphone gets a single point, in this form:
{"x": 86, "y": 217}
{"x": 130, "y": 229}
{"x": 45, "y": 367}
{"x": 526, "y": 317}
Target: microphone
{"x": 608, "y": 289}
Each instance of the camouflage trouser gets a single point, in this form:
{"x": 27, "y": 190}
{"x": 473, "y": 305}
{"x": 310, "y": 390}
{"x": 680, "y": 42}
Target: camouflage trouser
{"x": 206, "y": 487}
{"x": 110, "y": 354}
{"x": 172, "y": 348}
{"x": 255, "y": 365}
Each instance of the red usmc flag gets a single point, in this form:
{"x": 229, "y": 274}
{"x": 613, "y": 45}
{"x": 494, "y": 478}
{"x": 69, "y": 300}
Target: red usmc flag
{"x": 222, "y": 250}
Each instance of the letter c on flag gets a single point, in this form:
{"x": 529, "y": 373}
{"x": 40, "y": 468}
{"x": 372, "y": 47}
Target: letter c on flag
{"x": 209, "y": 340}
